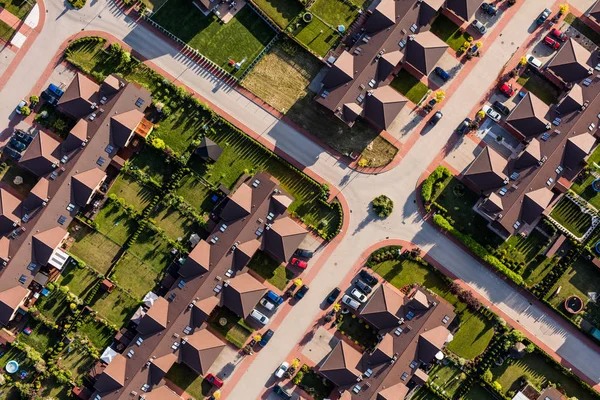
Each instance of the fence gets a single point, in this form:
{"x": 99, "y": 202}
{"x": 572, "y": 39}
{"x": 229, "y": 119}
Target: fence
{"x": 265, "y": 17}
{"x": 259, "y": 56}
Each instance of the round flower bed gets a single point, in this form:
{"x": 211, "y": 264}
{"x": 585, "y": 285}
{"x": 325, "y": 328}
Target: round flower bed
{"x": 596, "y": 185}
{"x": 383, "y": 206}
{"x": 574, "y": 304}
{"x": 307, "y": 17}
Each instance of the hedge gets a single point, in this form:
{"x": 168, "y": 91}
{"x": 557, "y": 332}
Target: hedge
{"x": 438, "y": 174}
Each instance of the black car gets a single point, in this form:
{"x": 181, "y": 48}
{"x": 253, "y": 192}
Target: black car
{"x": 367, "y": 277}
{"x": 501, "y": 107}
{"x": 464, "y": 126}
{"x": 15, "y": 144}
{"x": 23, "y": 137}
{"x": 301, "y": 292}
{"x": 49, "y": 97}
{"x": 303, "y": 253}
{"x": 436, "y": 118}
{"x": 12, "y": 153}
{"x": 489, "y": 8}
{"x": 266, "y": 338}
{"x": 290, "y": 290}
{"x": 363, "y": 287}
{"x": 281, "y": 392}
{"x": 333, "y": 295}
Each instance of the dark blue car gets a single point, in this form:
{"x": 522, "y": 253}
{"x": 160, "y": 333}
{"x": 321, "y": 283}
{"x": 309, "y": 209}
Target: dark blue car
{"x": 274, "y": 297}
{"x": 301, "y": 292}
{"x": 266, "y": 337}
{"x": 441, "y": 73}
{"x": 543, "y": 16}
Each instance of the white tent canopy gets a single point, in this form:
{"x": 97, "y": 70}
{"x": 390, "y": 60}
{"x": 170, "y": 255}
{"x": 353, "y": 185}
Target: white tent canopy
{"x": 108, "y": 355}
{"x": 149, "y": 299}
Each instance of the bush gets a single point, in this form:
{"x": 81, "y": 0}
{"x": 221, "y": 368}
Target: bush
{"x": 488, "y": 376}
{"x": 33, "y": 99}
{"x": 298, "y": 377}
{"x": 439, "y": 174}
{"x": 383, "y": 206}
{"x": 77, "y": 4}
{"x": 25, "y": 111}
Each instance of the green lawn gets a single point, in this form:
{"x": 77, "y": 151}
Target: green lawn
{"x": 185, "y": 378}
{"x": 425, "y": 394}
{"x": 99, "y": 334}
{"x": 568, "y": 214}
{"x": 41, "y": 338}
{"x": 55, "y": 306}
{"x": 94, "y": 249}
{"x": 540, "y": 87}
{"x": 537, "y": 270}
{"x": 314, "y": 384}
{"x": 522, "y": 251}
{"x": 282, "y": 12}
{"x": 51, "y": 389}
{"x": 196, "y": 193}
{"x": 55, "y": 121}
{"x": 154, "y": 164}
{"x": 478, "y": 392}
{"x": 473, "y": 336}
{"x": 18, "y": 8}
{"x": 235, "y": 330}
{"x": 11, "y": 172}
{"x": 244, "y": 36}
{"x": 76, "y": 358}
{"x": 6, "y": 31}
{"x": 79, "y": 280}
{"x": 133, "y": 192}
{"x": 409, "y": 86}
{"x": 90, "y": 57}
{"x": 584, "y": 187}
{"x": 357, "y": 330}
{"x": 135, "y": 276}
{"x": 537, "y": 370}
{"x": 316, "y": 35}
{"x": 116, "y": 307}
{"x": 449, "y": 32}
{"x": 152, "y": 250}
{"x": 334, "y": 12}
{"x": 275, "y": 273}
{"x": 114, "y": 223}
{"x": 582, "y": 27}
{"x": 447, "y": 378}
{"x": 179, "y": 130}
{"x": 459, "y": 201}
{"x": 175, "y": 224}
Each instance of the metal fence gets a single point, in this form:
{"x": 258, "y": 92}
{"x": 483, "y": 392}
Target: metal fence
{"x": 259, "y": 56}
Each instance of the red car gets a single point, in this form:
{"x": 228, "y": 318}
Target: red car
{"x": 506, "y": 89}
{"x": 558, "y": 34}
{"x": 551, "y": 42}
{"x": 214, "y": 380}
{"x": 299, "y": 263}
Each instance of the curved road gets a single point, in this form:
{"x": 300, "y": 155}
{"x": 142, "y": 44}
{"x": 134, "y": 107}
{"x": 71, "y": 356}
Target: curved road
{"x": 359, "y": 189}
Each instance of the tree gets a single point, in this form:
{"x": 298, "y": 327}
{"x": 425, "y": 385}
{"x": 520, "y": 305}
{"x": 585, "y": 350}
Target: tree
{"x": 295, "y": 363}
{"x": 337, "y": 307}
{"x": 488, "y": 376}
{"x": 496, "y": 385}
{"x": 383, "y": 206}
{"x": 25, "y": 110}
{"x": 33, "y": 99}
{"x": 257, "y": 337}
{"x": 158, "y": 143}
{"x": 298, "y": 282}
{"x": 480, "y": 114}
{"x": 479, "y": 44}
{"x": 564, "y": 8}
{"x": 439, "y": 96}
{"x": 523, "y": 61}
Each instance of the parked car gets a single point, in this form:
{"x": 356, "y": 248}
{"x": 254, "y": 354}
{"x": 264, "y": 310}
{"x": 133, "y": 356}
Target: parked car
{"x": 489, "y": 8}
{"x": 506, "y": 89}
{"x": 490, "y": 112}
{"x": 479, "y": 26}
{"x": 281, "y": 392}
{"x": 304, "y": 253}
{"x": 301, "y": 292}
{"x": 15, "y": 155}
{"x": 282, "y": 369}
{"x": 299, "y": 263}
{"x": 266, "y": 337}
{"x": 501, "y": 107}
{"x": 290, "y": 291}
{"x": 55, "y": 90}
{"x": 260, "y": 317}
{"x": 23, "y": 136}
{"x": 367, "y": 277}
{"x": 49, "y": 97}
{"x": 358, "y": 295}
{"x": 534, "y": 62}
{"x": 363, "y": 287}
{"x": 439, "y": 71}
{"x": 333, "y": 295}
{"x": 350, "y": 302}
{"x": 274, "y": 297}
{"x": 15, "y": 144}
{"x": 558, "y": 35}
{"x": 436, "y": 118}
{"x": 20, "y": 106}
{"x": 464, "y": 126}
{"x": 267, "y": 304}
{"x": 213, "y": 380}
{"x": 543, "y": 16}
{"x": 548, "y": 41}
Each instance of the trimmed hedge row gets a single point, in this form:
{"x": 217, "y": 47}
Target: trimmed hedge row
{"x": 439, "y": 174}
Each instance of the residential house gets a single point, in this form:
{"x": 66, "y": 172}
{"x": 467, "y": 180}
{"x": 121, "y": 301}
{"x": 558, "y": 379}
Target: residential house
{"x": 10, "y": 302}
{"x": 9, "y": 208}
{"x": 85, "y": 184}
{"x": 463, "y": 9}
{"x": 572, "y": 62}
{"x": 200, "y": 350}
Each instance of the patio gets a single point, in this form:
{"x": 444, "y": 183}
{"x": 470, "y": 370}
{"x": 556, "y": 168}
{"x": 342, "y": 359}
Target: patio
{"x": 498, "y": 138}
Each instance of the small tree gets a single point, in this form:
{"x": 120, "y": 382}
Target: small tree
{"x": 363, "y": 162}
{"x": 488, "y": 376}
{"x": 439, "y": 96}
{"x": 481, "y": 114}
{"x": 33, "y": 99}
{"x": 258, "y": 337}
{"x": 564, "y": 8}
{"x": 337, "y": 307}
{"x": 496, "y": 385}
{"x": 158, "y": 143}
{"x": 523, "y": 61}
{"x": 479, "y": 44}
{"x": 383, "y": 206}
{"x": 295, "y": 363}
{"x": 25, "y": 110}
{"x": 298, "y": 282}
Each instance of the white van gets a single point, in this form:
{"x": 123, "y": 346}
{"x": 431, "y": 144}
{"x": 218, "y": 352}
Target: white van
{"x": 260, "y": 317}
{"x": 350, "y": 302}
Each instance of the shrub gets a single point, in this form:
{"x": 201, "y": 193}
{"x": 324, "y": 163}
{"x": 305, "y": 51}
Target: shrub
{"x": 439, "y": 174}
{"x": 488, "y": 376}
{"x": 383, "y": 206}
{"x": 25, "y": 111}
{"x": 33, "y": 99}
{"x": 298, "y": 377}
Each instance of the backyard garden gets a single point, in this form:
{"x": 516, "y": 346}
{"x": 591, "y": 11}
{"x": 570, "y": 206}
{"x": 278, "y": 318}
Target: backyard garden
{"x": 235, "y": 330}
{"x": 541, "y": 87}
{"x": 413, "y": 89}
{"x": 569, "y": 215}
{"x": 275, "y": 273}
{"x": 449, "y": 32}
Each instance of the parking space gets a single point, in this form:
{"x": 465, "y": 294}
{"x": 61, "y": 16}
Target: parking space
{"x": 61, "y": 76}
{"x": 226, "y": 363}
{"x": 320, "y": 345}
{"x": 488, "y": 20}
{"x": 578, "y": 36}
{"x": 498, "y": 138}
{"x": 449, "y": 64}
{"x": 542, "y": 51}
{"x": 463, "y": 153}
{"x": 404, "y": 124}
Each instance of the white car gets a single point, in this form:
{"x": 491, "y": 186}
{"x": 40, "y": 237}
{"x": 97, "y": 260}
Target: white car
{"x": 534, "y": 62}
{"x": 490, "y": 112}
{"x": 260, "y": 317}
{"x": 20, "y": 106}
{"x": 358, "y": 295}
{"x": 350, "y": 302}
{"x": 267, "y": 304}
{"x": 282, "y": 370}
{"x": 479, "y": 26}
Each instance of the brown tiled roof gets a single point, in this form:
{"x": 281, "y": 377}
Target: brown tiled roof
{"x": 572, "y": 101}
{"x": 44, "y": 243}
{"x": 113, "y": 376}
{"x": 79, "y": 96}
{"x": 340, "y": 366}
{"x": 8, "y": 208}
{"x": 534, "y": 203}
{"x": 578, "y": 147}
{"x": 155, "y": 320}
{"x": 110, "y": 85}
{"x": 384, "y": 352}
{"x": 383, "y": 106}
{"x": 10, "y": 300}
{"x": 351, "y": 112}
{"x": 531, "y": 155}
{"x": 396, "y": 392}
{"x": 197, "y": 262}
{"x": 424, "y": 51}
{"x": 37, "y": 195}
{"x": 282, "y": 202}
{"x": 551, "y": 393}
{"x": 122, "y": 126}
{"x": 283, "y": 238}
{"x": 4, "y": 248}
{"x": 493, "y": 203}
{"x": 160, "y": 366}
{"x": 572, "y": 62}
{"x": 244, "y": 252}
{"x": 487, "y": 170}
{"x": 41, "y": 154}
{"x": 202, "y": 309}
{"x": 428, "y": 10}
{"x": 77, "y": 135}
{"x": 85, "y": 183}
{"x": 383, "y": 307}
{"x": 529, "y": 116}
{"x": 387, "y": 63}
{"x": 594, "y": 12}
{"x": 431, "y": 342}
{"x": 239, "y": 204}
{"x": 162, "y": 393}
{"x": 200, "y": 350}
{"x": 420, "y": 377}
{"x": 383, "y": 16}
{"x": 463, "y": 8}
{"x": 340, "y": 72}
{"x": 209, "y": 150}
{"x": 242, "y": 294}
{"x": 419, "y": 301}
